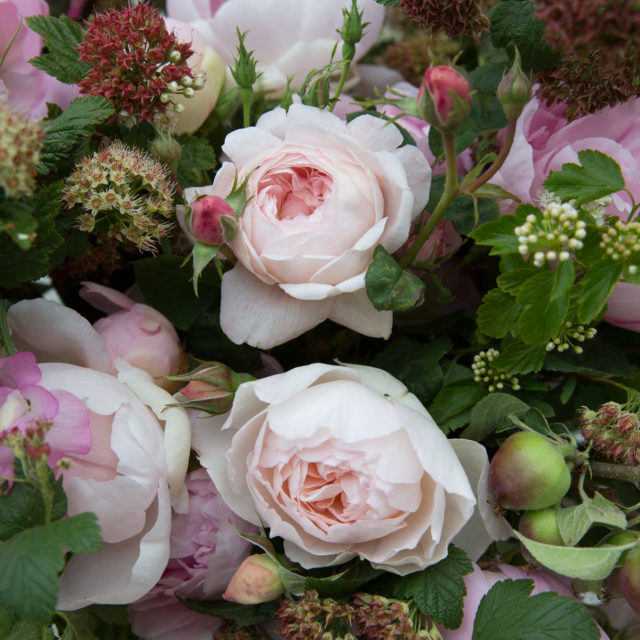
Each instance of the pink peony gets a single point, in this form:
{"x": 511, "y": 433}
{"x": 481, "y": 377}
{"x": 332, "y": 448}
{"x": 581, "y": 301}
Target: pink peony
{"x": 479, "y": 582}
{"x": 322, "y": 195}
{"x": 205, "y": 553}
{"x": 288, "y": 37}
{"x": 28, "y": 89}
{"x": 313, "y": 454}
{"x": 135, "y": 332}
{"x": 545, "y": 141}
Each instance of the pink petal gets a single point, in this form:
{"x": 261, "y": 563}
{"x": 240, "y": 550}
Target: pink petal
{"x": 104, "y": 298}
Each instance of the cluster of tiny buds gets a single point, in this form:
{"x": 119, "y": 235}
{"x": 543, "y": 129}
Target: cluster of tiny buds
{"x": 622, "y": 244}
{"x": 493, "y": 378}
{"x": 313, "y": 618}
{"x": 551, "y": 234}
{"x": 570, "y": 333}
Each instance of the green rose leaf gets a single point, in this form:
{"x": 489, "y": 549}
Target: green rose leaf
{"x": 597, "y": 285}
{"x": 491, "y": 413}
{"x": 498, "y": 314}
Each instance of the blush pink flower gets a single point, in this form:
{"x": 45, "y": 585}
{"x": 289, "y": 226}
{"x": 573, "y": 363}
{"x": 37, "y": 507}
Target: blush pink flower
{"x": 289, "y": 37}
{"x": 322, "y": 195}
{"x": 545, "y": 141}
{"x": 205, "y": 553}
{"x": 313, "y": 454}
{"x": 624, "y": 306}
{"x": 479, "y": 582}
{"x": 28, "y": 89}
{"x": 135, "y": 332}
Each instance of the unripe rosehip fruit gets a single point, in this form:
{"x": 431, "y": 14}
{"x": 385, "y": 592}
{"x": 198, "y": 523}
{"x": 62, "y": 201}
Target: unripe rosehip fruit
{"x": 528, "y": 472}
{"x": 629, "y": 579}
{"x": 541, "y": 526}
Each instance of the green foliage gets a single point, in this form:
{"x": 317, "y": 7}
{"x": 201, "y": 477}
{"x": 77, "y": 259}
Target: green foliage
{"x": 451, "y": 408}
{"x": 491, "y": 413}
{"x": 439, "y": 589}
{"x": 345, "y": 583}
{"x": 32, "y": 559}
{"x": 518, "y": 358}
{"x": 197, "y": 158}
{"x": 389, "y": 286}
{"x": 596, "y": 287}
{"x": 508, "y": 612}
{"x": 498, "y": 314}
{"x": 389, "y": 3}
{"x": 596, "y": 176}
{"x": 500, "y": 234}
{"x": 160, "y": 274}
{"x": 17, "y": 222}
{"x": 70, "y": 128}
{"x": 61, "y": 38}
{"x": 514, "y": 23}
{"x": 242, "y": 614}
{"x": 574, "y": 522}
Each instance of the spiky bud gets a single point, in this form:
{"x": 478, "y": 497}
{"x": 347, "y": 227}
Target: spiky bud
{"x": 514, "y": 90}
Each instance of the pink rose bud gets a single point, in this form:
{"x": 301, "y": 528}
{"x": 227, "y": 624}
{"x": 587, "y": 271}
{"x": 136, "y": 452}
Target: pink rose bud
{"x": 212, "y": 220}
{"x": 256, "y": 580}
{"x": 444, "y": 98}
{"x": 514, "y": 91}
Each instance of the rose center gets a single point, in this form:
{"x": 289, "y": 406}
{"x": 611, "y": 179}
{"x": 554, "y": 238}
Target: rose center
{"x": 295, "y": 191}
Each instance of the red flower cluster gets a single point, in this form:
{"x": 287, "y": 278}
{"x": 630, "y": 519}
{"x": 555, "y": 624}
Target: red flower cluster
{"x": 134, "y": 59}
{"x": 454, "y": 17}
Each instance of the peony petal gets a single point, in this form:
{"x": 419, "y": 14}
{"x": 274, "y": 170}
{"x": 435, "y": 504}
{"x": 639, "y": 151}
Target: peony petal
{"x": 57, "y": 334}
{"x": 355, "y": 311}
{"x": 264, "y": 316}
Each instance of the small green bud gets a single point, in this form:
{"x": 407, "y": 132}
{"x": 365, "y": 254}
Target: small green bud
{"x": 352, "y": 29}
{"x": 167, "y": 149}
{"x": 514, "y": 90}
{"x": 244, "y": 69}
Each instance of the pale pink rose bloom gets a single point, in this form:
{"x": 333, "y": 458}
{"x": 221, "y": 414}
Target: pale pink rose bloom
{"x": 288, "y": 37}
{"x": 313, "y": 453}
{"x": 480, "y": 582}
{"x": 545, "y": 141}
{"x": 624, "y": 306}
{"x": 58, "y": 334}
{"x": 135, "y": 332}
{"x": 205, "y": 553}
{"x": 322, "y": 195}
{"x": 28, "y": 89}
{"x": 205, "y": 60}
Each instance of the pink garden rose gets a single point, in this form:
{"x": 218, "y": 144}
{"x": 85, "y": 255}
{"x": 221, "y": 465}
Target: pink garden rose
{"x": 545, "y": 141}
{"x": 205, "y": 553}
{"x": 28, "y": 89}
{"x": 624, "y": 306}
{"x": 322, "y": 195}
{"x": 314, "y": 454}
{"x": 479, "y": 582}
{"x": 288, "y": 37}
{"x": 135, "y": 332}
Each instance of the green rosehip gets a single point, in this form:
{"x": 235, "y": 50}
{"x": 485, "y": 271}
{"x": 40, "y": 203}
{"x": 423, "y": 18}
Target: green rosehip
{"x": 528, "y": 472}
{"x": 541, "y": 526}
{"x": 629, "y": 579}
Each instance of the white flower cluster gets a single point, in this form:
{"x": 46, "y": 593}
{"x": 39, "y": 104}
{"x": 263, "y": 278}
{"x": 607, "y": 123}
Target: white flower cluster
{"x": 622, "y": 244}
{"x": 551, "y": 234}
{"x": 568, "y": 335}
{"x": 486, "y": 374}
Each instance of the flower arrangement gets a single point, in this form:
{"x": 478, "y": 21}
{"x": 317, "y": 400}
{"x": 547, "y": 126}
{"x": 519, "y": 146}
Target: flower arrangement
{"x": 318, "y": 320}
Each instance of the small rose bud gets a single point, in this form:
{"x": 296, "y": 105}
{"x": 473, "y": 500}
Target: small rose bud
{"x": 256, "y": 580}
{"x": 514, "y": 90}
{"x": 444, "y": 98}
{"x": 212, "y": 220}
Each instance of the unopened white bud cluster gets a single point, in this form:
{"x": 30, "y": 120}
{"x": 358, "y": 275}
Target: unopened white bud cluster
{"x": 186, "y": 87}
{"x": 569, "y": 335}
{"x": 622, "y": 244}
{"x": 488, "y": 375}
{"x": 552, "y": 234}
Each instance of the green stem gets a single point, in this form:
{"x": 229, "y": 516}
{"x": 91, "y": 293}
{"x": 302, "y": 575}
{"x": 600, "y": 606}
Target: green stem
{"x": 616, "y": 472}
{"x": 343, "y": 77}
{"x": 226, "y": 251}
{"x": 449, "y": 193}
{"x": 5, "y": 334}
{"x": 613, "y": 383}
{"x": 246, "y": 97}
{"x": 498, "y": 162}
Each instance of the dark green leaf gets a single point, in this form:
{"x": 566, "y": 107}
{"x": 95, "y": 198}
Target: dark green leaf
{"x": 61, "y": 38}
{"x": 521, "y": 358}
{"x": 508, "y": 612}
{"x": 498, "y": 314}
{"x": 491, "y": 413}
{"x": 71, "y": 127}
{"x": 24, "y": 630}
{"x": 514, "y": 22}
{"x": 241, "y": 614}
{"x": 439, "y": 589}
{"x": 500, "y": 234}
{"x": 454, "y": 399}
{"x": 597, "y": 285}
{"x": 389, "y": 3}
{"x": 32, "y": 559}
{"x": 598, "y": 176}
{"x": 197, "y": 156}
{"x": 156, "y": 276}
{"x": 349, "y": 581}
{"x": 389, "y": 286}
{"x": 511, "y": 281}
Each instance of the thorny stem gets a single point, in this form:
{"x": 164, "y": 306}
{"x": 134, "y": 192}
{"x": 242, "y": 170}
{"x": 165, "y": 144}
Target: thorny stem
{"x": 498, "y": 162}
{"x": 449, "y": 193}
{"x": 343, "y": 77}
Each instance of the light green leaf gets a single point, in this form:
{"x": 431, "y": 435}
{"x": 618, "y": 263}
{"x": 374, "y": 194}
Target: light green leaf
{"x": 585, "y": 563}
{"x": 574, "y": 522}
{"x": 500, "y": 234}
{"x": 598, "y": 176}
